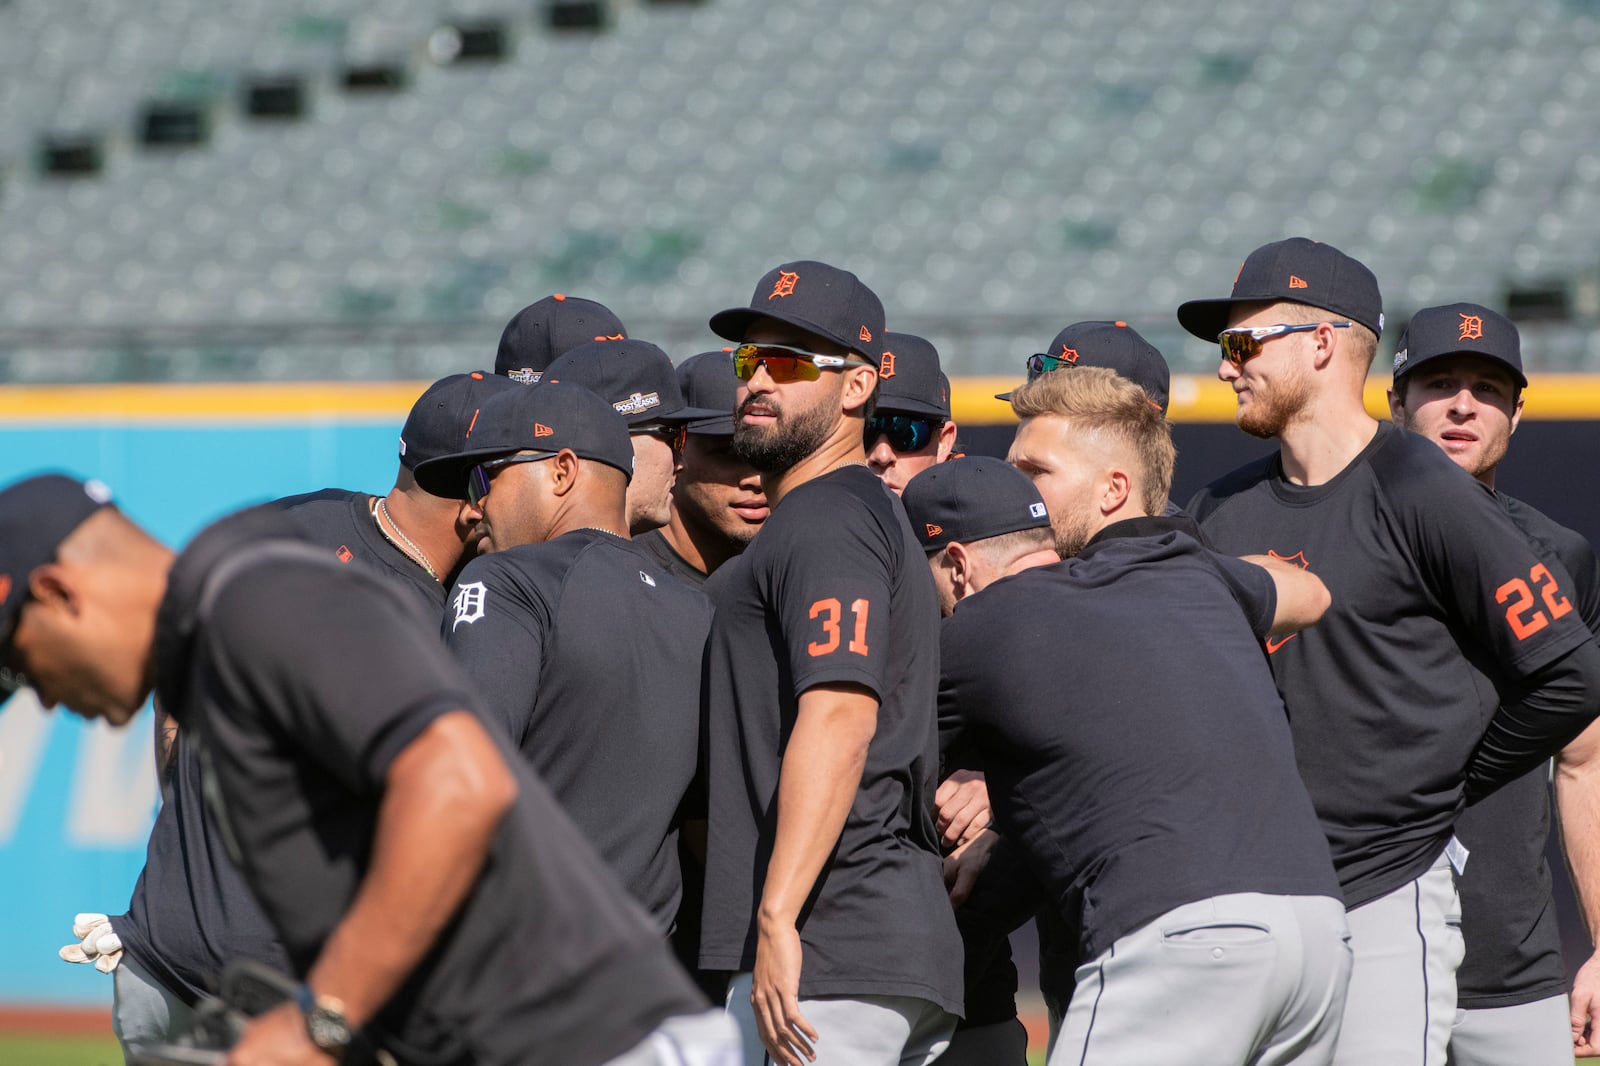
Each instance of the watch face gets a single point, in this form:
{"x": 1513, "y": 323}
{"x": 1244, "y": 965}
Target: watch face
{"x": 328, "y": 1029}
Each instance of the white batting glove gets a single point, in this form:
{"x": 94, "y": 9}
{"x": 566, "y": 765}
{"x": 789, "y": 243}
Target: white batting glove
{"x": 97, "y": 943}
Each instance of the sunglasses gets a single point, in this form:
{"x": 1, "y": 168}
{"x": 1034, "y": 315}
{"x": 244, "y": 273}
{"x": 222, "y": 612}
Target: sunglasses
{"x": 905, "y": 434}
{"x": 1041, "y": 363}
{"x": 480, "y": 476}
{"x": 674, "y": 436}
{"x": 1243, "y": 344}
{"x": 784, "y": 363}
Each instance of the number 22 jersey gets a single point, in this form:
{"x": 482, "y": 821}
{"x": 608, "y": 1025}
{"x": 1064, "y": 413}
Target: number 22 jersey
{"x": 1428, "y": 576}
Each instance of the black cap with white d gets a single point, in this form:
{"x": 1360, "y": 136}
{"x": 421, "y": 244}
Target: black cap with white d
{"x": 1460, "y": 329}
{"x": 971, "y": 499}
{"x": 1297, "y": 270}
{"x": 547, "y": 418}
{"x": 36, "y": 515}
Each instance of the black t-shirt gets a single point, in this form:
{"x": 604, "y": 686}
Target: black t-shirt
{"x": 1429, "y": 579}
{"x": 341, "y": 521}
{"x": 588, "y": 655}
{"x": 1508, "y": 918}
{"x": 192, "y": 913}
{"x": 835, "y": 589}
{"x": 654, "y": 543}
{"x": 305, "y": 679}
{"x": 1135, "y": 785}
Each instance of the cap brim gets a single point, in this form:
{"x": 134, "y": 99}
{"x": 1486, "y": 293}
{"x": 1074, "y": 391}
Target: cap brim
{"x": 721, "y": 426}
{"x": 1412, "y": 364}
{"x": 1207, "y": 318}
{"x": 693, "y": 414}
{"x": 446, "y": 475}
{"x": 1006, "y": 396}
{"x": 733, "y": 323}
{"x": 901, "y": 405}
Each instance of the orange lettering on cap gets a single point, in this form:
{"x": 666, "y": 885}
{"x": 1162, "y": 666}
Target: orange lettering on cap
{"x": 866, "y": 334}
{"x": 1297, "y": 283}
{"x": 1471, "y": 327}
{"x": 613, "y": 337}
{"x": 1069, "y": 355}
{"x": 558, "y": 296}
{"x": 542, "y": 430}
{"x": 344, "y": 553}
{"x": 886, "y": 365}
{"x": 933, "y": 530}
{"x": 785, "y": 284}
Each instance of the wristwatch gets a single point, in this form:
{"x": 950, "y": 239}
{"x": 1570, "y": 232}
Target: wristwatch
{"x": 324, "y": 1020}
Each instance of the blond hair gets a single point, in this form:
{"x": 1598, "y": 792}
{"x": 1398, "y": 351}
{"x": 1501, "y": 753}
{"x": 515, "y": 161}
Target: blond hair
{"x": 1100, "y": 402}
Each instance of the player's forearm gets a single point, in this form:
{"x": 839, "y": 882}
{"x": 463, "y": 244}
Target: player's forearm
{"x": 1578, "y": 809}
{"x": 1301, "y": 595}
{"x": 1525, "y": 732}
{"x": 817, "y": 783}
{"x": 445, "y": 795}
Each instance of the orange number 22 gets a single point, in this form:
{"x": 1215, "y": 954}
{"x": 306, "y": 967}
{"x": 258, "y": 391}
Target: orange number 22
{"x": 1523, "y": 613}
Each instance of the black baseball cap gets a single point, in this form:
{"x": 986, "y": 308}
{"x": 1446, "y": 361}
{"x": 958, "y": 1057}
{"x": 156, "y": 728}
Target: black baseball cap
{"x": 36, "y": 515}
{"x": 833, "y": 304}
{"x": 1460, "y": 329}
{"x": 542, "y": 332}
{"x": 548, "y": 418}
{"x": 444, "y": 416}
{"x": 971, "y": 499}
{"x": 634, "y": 376}
{"x": 1115, "y": 346}
{"x": 909, "y": 379}
{"x": 709, "y": 383}
{"x": 1300, "y": 270}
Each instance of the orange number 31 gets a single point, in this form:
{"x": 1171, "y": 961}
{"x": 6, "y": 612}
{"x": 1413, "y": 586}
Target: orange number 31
{"x": 1523, "y": 613}
{"x": 828, "y": 610}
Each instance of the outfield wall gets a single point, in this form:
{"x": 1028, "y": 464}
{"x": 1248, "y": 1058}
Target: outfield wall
{"x": 76, "y": 801}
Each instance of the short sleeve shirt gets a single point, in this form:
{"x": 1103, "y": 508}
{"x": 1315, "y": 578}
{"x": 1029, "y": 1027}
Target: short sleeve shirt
{"x": 834, "y": 589}
{"x": 307, "y": 680}
{"x": 588, "y": 655}
{"x": 1508, "y": 922}
{"x": 342, "y": 522}
{"x": 1134, "y": 745}
{"x": 654, "y": 544}
{"x": 1438, "y": 602}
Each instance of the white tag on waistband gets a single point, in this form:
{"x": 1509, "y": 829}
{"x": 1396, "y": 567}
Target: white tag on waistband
{"x": 1457, "y": 853}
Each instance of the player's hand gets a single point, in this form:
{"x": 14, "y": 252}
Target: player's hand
{"x": 278, "y": 1038}
{"x": 962, "y": 807}
{"x": 775, "y": 996}
{"x": 1586, "y": 1009}
{"x": 97, "y": 942}
{"x": 962, "y": 866}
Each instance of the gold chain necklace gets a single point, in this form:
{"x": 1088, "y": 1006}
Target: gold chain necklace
{"x": 407, "y": 547}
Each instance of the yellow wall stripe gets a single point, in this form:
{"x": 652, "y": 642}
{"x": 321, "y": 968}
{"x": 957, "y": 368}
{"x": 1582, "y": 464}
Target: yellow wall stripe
{"x": 1194, "y": 399}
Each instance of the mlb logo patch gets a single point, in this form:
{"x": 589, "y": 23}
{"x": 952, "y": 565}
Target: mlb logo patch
{"x": 1036, "y": 510}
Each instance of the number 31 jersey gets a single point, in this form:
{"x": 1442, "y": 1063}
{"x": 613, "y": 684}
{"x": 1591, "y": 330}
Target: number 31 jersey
{"x": 835, "y": 590}
{"x": 1428, "y": 576}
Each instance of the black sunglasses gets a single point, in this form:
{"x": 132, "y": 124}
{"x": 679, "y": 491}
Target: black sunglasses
{"x": 479, "y": 478}
{"x": 906, "y": 434}
{"x": 675, "y": 436}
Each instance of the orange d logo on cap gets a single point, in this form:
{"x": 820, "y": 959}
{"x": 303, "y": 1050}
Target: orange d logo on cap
{"x": 784, "y": 285}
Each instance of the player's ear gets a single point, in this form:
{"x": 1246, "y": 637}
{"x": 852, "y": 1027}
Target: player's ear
{"x": 1397, "y": 408}
{"x": 57, "y": 587}
{"x": 960, "y": 564}
{"x": 860, "y": 382}
{"x": 564, "y": 470}
{"x": 1516, "y": 412}
{"x": 1116, "y": 487}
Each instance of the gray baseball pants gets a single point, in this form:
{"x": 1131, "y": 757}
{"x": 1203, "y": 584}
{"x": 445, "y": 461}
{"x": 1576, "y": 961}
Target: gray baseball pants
{"x": 1402, "y": 999}
{"x": 1242, "y": 978}
{"x": 705, "y": 1039}
{"x": 856, "y": 1030}
{"x": 143, "y": 1011}
{"x": 1528, "y": 1034}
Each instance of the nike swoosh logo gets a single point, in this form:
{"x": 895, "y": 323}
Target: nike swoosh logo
{"x": 1274, "y": 644}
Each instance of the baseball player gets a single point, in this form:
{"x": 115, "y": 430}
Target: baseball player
{"x": 432, "y": 897}
{"x": 979, "y": 520}
{"x": 1458, "y": 381}
{"x": 537, "y": 622}
{"x": 547, "y": 329}
{"x": 823, "y": 882}
{"x": 910, "y": 429}
{"x": 1209, "y": 914}
{"x": 717, "y": 502}
{"x": 408, "y": 534}
{"x": 1392, "y": 725}
{"x": 637, "y": 379}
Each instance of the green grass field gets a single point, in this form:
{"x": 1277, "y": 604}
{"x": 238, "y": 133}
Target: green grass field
{"x": 59, "y": 1051}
